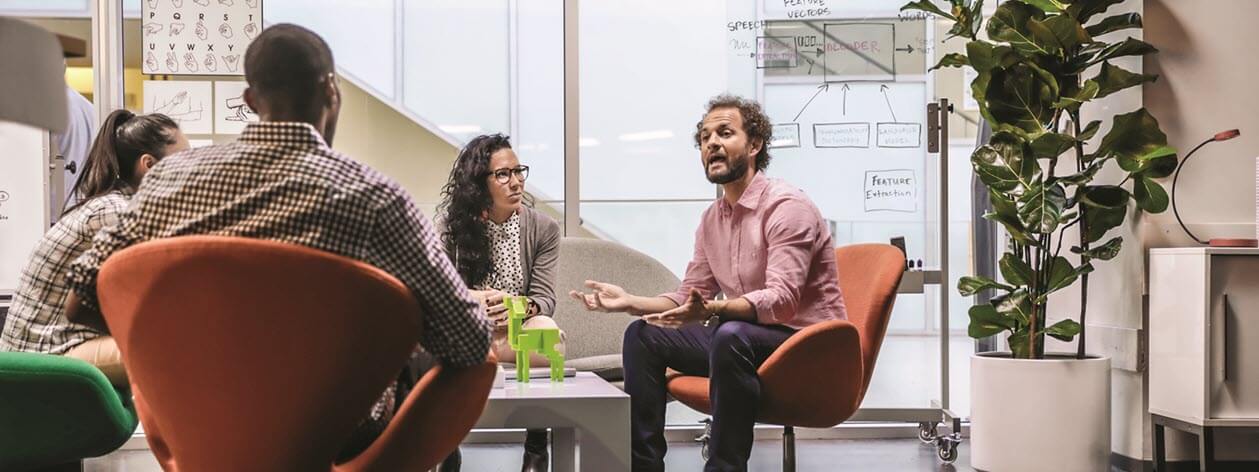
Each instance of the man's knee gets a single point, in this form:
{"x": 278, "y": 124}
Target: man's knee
{"x": 634, "y": 336}
{"x": 732, "y": 337}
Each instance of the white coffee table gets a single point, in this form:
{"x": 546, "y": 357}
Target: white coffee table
{"x": 584, "y": 413}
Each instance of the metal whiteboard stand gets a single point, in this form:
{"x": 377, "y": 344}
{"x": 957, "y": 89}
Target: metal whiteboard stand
{"x": 938, "y": 142}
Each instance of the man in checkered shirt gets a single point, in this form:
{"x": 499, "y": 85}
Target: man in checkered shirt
{"x": 281, "y": 181}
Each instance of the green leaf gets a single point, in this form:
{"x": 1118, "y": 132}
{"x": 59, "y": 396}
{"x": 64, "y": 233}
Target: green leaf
{"x": 1082, "y": 10}
{"x": 1005, "y": 212}
{"x": 1004, "y": 164}
{"x": 1112, "y": 79}
{"x": 1103, "y": 207}
{"x": 1129, "y": 47}
{"x": 951, "y": 60}
{"x": 1051, "y": 145}
{"x": 1132, "y": 138}
{"x": 985, "y": 321}
{"x": 980, "y": 54}
{"x": 1015, "y": 270}
{"x": 1042, "y": 206}
{"x": 1019, "y": 98}
{"x": 1018, "y": 345}
{"x": 1009, "y": 24}
{"x": 1047, "y": 6}
{"x": 1105, "y": 252}
{"x": 1115, "y": 23}
{"x": 1150, "y": 195}
{"x": 1084, "y": 177}
{"x": 1089, "y": 130}
{"x": 1073, "y": 102}
{"x": 1064, "y": 330}
{"x": 970, "y": 285}
{"x": 1017, "y": 304}
{"x": 927, "y": 6}
{"x": 1064, "y": 33}
{"x": 1061, "y": 274}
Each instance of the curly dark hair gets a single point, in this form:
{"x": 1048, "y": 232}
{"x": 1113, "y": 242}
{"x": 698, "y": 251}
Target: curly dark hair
{"x": 755, "y": 123}
{"x": 465, "y": 199}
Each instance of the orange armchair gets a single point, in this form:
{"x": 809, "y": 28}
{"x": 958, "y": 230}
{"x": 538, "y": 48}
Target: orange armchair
{"x": 819, "y": 376}
{"x": 255, "y": 355}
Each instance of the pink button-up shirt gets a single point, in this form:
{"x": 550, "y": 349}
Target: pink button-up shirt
{"x": 772, "y": 248}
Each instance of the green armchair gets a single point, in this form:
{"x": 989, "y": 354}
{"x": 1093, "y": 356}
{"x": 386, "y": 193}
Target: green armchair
{"x": 56, "y": 411}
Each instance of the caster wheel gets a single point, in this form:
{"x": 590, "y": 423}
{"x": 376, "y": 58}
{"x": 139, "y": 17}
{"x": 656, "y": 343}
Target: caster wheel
{"x": 927, "y": 432}
{"x": 947, "y": 452}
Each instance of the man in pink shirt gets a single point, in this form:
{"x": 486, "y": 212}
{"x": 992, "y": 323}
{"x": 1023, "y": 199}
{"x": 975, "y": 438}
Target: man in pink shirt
{"x": 765, "y": 247}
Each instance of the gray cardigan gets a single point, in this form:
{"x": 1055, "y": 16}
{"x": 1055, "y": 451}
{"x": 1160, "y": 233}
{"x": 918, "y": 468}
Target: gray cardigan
{"x": 539, "y": 254}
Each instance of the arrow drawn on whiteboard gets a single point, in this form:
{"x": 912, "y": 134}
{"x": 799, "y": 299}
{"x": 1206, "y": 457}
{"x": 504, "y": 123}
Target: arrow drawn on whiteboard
{"x": 820, "y": 89}
{"x": 845, "y": 99}
{"x": 883, "y": 88}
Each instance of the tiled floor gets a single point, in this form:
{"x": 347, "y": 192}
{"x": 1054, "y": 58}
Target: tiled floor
{"x": 894, "y": 455}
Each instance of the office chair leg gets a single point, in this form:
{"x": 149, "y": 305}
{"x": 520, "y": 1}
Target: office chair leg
{"x": 789, "y": 449}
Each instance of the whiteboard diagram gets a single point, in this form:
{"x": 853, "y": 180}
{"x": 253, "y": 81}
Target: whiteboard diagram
{"x": 181, "y": 37}
{"x": 231, "y": 114}
{"x": 186, "y": 102}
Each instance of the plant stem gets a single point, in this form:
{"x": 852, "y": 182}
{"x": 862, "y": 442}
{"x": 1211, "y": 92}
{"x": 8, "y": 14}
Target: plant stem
{"x": 1084, "y": 247}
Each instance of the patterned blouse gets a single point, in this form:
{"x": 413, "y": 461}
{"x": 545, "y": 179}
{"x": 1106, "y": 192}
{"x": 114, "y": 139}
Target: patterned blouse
{"x": 508, "y": 274}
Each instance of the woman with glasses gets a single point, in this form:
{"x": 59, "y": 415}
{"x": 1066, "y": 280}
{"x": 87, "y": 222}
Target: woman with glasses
{"x": 502, "y": 247}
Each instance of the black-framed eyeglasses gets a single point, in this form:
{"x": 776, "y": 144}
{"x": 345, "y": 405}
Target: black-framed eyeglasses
{"x": 503, "y": 175}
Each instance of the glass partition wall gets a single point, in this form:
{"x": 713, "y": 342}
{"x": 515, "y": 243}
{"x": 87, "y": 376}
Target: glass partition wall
{"x": 845, "y": 83}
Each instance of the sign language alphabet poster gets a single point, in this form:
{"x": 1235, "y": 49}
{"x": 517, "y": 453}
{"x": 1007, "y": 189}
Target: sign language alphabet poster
{"x": 197, "y": 37}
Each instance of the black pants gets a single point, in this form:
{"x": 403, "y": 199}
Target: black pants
{"x": 728, "y": 354}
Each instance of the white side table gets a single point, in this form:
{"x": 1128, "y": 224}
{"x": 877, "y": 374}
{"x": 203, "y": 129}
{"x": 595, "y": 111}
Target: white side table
{"x": 584, "y": 413}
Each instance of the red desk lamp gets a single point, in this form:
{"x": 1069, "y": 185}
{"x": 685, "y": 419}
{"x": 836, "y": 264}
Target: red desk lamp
{"x": 1214, "y": 242}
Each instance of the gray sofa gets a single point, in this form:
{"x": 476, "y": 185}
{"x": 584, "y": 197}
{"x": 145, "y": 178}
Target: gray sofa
{"x": 593, "y": 341}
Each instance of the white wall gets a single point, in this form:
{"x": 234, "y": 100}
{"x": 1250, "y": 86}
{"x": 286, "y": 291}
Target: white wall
{"x": 1207, "y": 67}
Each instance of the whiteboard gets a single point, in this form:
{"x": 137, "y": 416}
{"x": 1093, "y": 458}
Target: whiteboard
{"x": 23, "y": 198}
{"x": 857, "y": 149}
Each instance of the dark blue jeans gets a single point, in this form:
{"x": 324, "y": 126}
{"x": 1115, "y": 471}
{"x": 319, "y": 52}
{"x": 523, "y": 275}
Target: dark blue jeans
{"x": 728, "y": 354}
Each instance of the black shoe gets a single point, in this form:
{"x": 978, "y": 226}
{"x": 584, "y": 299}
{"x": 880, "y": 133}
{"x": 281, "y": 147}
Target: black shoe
{"x": 535, "y": 462}
{"x": 452, "y": 463}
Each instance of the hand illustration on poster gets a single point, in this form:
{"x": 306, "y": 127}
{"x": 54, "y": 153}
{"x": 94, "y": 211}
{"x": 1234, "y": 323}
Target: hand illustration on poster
{"x": 186, "y": 102}
{"x": 172, "y": 64}
{"x": 231, "y": 113}
{"x": 190, "y": 62}
{"x": 222, "y": 28}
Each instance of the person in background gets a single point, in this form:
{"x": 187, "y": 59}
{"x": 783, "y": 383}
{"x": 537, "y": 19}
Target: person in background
{"x": 126, "y": 148}
{"x": 765, "y": 246}
{"x": 501, "y": 247}
{"x": 73, "y": 144}
{"x": 282, "y": 181}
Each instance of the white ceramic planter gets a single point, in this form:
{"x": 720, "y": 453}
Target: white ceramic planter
{"x": 1048, "y": 415}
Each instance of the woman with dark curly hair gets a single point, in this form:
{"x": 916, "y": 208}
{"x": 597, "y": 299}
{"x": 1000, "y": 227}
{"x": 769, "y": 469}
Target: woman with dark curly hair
{"x": 501, "y": 247}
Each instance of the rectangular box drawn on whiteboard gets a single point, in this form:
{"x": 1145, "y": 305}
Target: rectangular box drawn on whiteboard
{"x": 773, "y": 52}
{"x": 891, "y": 190}
{"x": 841, "y": 135}
{"x": 899, "y": 135}
{"x": 786, "y": 135}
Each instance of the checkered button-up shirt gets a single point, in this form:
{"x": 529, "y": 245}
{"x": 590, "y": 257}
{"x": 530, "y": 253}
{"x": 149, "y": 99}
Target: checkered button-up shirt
{"x": 280, "y": 181}
{"x": 37, "y": 321}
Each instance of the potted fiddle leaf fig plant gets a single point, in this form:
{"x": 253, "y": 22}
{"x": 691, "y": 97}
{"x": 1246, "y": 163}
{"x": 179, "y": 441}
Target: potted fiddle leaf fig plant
{"x": 1039, "y": 63}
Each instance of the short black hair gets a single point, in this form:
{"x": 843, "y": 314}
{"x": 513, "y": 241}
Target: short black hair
{"x": 755, "y": 123}
{"x": 286, "y": 64}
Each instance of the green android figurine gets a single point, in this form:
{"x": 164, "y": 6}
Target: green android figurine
{"x": 526, "y": 341}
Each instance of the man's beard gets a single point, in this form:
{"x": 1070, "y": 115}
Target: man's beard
{"x": 735, "y": 170}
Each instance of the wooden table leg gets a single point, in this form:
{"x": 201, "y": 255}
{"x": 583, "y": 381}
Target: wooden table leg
{"x": 1160, "y": 451}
